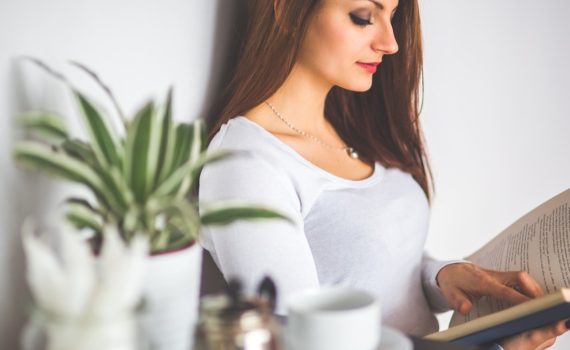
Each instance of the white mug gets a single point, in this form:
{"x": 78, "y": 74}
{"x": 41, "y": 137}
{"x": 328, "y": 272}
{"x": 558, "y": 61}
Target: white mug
{"x": 333, "y": 318}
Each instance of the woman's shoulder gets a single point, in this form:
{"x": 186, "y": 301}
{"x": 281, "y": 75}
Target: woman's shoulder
{"x": 252, "y": 141}
{"x": 252, "y": 172}
{"x": 240, "y": 133}
{"x": 254, "y": 157}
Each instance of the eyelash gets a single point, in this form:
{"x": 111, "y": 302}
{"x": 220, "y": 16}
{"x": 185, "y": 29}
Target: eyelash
{"x": 360, "y": 21}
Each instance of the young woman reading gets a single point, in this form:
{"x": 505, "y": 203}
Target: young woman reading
{"x": 323, "y": 104}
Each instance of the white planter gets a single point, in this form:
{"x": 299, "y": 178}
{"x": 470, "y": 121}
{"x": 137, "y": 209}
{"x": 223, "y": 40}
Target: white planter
{"x": 58, "y": 333}
{"x": 171, "y": 296}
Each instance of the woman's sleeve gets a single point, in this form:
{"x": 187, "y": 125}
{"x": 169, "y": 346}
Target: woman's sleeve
{"x": 250, "y": 250}
{"x": 430, "y": 269}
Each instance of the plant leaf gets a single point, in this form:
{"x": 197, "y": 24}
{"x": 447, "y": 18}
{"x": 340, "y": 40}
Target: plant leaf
{"x": 38, "y": 156}
{"x": 154, "y": 150}
{"x": 104, "y": 142}
{"x": 174, "y": 181}
{"x": 228, "y": 212}
{"x": 137, "y": 153}
{"x": 81, "y": 151}
{"x": 184, "y": 139}
{"x": 44, "y": 125}
{"x": 104, "y": 87}
{"x": 110, "y": 176}
{"x": 196, "y": 168}
{"x": 182, "y": 223}
{"x": 197, "y": 145}
{"x": 84, "y": 203}
{"x": 49, "y": 159}
{"x": 178, "y": 148}
{"x": 165, "y": 140}
{"x": 83, "y": 216}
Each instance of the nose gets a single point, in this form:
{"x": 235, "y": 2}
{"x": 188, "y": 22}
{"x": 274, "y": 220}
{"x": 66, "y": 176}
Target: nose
{"x": 384, "y": 39}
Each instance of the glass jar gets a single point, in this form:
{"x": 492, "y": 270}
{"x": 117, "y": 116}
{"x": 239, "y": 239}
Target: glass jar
{"x": 226, "y": 325}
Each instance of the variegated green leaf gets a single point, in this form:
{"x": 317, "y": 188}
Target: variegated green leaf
{"x": 117, "y": 201}
{"x": 203, "y": 135}
{"x": 137, "y": 153}
{"x": 198, "y": 133}
{"x": 105, "y": 143}
{"x": 82, "y": 217}
{"x": 195, "y": 155}
{"x": 178, "y": 149}
{"x": 84, "y": 203}
{"x": 38, "y": 156}
{"x": 226, "y": 213}
{"x": 174, "y": 182}
{"x": 105, "y": 88}
{"x": 184, "y": 140}
{"x": 154, "y": 150}
{"x": 119, "y": 194}
{"x": 183, "y": 224}
{"x": 44, "y": 125}
{"x": 81, "y": 151}
{"x": 41, "y": 157}
{"x": 165, "y": 155}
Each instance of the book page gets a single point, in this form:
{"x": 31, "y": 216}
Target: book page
{"x": 538, "y": 243}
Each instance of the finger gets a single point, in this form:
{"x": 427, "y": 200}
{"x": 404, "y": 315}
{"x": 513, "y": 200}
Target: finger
{"x": 527, "y": 284}
{"x": 500, "y": 291}
{"x": 521, "y": 280}
{"x": 546, "y": 344}
{"x": 459, "y": 301}
{"x": 543, "y": 334}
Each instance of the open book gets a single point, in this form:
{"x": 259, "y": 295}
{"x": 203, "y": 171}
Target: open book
{"x": 538, "y": 243}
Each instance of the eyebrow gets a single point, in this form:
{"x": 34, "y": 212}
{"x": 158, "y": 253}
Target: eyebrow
{"x": 378, "y": 4}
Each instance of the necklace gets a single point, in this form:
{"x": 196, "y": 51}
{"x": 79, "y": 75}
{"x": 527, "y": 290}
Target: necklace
{"x": 351, "y": 152}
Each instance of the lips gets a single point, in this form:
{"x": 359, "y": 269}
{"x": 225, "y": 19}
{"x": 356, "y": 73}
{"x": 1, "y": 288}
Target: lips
{"x": 370, "y": 67}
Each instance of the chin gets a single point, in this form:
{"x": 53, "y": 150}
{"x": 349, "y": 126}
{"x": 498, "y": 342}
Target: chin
{"x": 361, "y": 86}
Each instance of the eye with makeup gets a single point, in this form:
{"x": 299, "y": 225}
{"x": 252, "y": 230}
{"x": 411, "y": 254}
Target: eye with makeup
{"x": 360, "y": 20}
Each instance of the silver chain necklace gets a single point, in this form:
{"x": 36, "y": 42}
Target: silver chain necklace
{"x": 349, "y": 150}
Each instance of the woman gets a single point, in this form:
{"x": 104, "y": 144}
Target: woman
{"x": 323, "y": 105}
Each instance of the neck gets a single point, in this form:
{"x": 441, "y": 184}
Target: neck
{"x": 301, "y": 100}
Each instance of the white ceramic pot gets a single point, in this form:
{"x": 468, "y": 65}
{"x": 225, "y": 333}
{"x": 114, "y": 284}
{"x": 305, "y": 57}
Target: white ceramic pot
{"x": 171, "y": 297}
{"x": 45, "y": 332}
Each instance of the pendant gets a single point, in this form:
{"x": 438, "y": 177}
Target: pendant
{"x": 352, "y": 153}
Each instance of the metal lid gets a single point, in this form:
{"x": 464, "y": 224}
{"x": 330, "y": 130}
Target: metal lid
{"x": 221, "y": 312}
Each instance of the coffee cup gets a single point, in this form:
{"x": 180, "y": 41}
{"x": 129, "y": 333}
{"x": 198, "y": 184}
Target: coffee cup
{"x": 333, "y": 318}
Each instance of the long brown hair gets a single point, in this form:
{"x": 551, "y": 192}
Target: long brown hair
{"x": 381, "y": 123}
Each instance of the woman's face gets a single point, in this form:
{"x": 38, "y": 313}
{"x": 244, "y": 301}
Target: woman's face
{"x": 346, "y": 40}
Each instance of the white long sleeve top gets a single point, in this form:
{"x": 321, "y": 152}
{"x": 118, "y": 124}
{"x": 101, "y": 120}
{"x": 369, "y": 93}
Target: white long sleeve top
{"x": 367, "y": 234}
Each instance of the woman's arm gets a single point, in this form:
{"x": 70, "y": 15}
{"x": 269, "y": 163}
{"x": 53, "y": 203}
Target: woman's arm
{"x": 249, "y": 250}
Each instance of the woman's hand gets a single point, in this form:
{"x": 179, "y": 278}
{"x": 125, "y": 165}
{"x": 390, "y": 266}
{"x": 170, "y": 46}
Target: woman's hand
{"x": 462, "y": 284}
{"x": 536, "y": 339}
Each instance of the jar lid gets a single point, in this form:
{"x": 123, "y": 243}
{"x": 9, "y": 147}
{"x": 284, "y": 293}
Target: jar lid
{"x": 221, "y": 312}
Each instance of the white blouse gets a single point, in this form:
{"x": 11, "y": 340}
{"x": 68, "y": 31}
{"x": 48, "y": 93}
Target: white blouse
{"x": 367, "y": 234}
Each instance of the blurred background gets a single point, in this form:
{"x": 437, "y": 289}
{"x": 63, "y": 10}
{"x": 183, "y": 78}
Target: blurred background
{"x": 495, "y": 110}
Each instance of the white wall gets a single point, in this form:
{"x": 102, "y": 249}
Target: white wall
{"x": 139, "y": 48}
{"x": 496, "y": 114}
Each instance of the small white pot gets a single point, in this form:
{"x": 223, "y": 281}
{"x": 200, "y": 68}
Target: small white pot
{"x": 171, "y": 297}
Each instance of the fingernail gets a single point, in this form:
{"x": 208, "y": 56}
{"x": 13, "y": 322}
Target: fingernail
{"x": 567, "y": 324}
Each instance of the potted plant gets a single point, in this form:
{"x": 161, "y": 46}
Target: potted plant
{"x": 142, "y": 177}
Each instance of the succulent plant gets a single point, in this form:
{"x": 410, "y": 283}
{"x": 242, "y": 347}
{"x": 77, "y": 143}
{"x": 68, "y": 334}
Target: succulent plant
{"x": 142, "y": 177}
